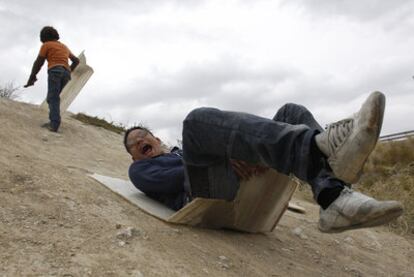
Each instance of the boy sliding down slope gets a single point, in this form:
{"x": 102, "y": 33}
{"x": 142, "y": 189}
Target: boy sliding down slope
{"x": 221, "y": 147}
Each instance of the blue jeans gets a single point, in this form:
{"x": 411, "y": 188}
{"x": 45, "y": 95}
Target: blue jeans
{"x": 212, "y": 137}
{"x": 58, "y": 77}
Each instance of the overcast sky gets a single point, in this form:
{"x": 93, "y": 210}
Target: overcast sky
{"x": 156, "y": 60}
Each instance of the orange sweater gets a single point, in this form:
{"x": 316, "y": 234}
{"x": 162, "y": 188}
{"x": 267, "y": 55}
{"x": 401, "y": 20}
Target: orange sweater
{"x": 56, "y": 54}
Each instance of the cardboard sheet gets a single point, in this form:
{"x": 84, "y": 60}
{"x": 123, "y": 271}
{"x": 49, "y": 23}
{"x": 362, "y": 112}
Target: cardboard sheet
{"x": 79, "y": 77}
{"x": 258, "y": 206}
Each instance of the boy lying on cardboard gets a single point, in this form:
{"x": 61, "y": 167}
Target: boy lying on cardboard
{"x": 220, "y": 148}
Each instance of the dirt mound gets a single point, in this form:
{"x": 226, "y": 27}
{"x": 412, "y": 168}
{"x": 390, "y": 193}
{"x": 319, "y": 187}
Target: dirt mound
{"x": 55, "y": 220}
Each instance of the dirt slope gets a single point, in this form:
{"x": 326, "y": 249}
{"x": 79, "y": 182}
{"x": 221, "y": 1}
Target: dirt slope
{"x": 54, "y": 220}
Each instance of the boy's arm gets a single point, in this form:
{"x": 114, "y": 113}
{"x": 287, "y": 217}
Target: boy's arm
{"x": 37, "y": 65}
{"x": 152, "y": 177}
{"x": 75, "y": 61}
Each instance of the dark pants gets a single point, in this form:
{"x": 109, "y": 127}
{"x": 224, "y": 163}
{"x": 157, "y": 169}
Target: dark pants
{"x": 212, "y": 137}
{"x": 58, "y": 77}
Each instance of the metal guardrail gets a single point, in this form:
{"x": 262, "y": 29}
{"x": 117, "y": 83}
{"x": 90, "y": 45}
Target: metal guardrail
{"x": 397, "y": 136}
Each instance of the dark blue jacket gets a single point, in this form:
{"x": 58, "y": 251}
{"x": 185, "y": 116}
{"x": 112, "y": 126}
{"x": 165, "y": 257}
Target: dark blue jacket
{"x": 161, "y": 178}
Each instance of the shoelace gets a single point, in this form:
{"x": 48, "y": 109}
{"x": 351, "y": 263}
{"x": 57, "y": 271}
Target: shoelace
{"x": 338, "y": 132}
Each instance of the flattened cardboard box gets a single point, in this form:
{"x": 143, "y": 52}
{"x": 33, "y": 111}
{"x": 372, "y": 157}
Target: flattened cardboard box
{"x": 258, "y": 206}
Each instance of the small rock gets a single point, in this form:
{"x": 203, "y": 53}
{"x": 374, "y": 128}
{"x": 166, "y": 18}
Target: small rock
{"x": 121, "y": 243}
{"x": 137, "y": 273}
{"x": 176, "y": 231}
{"x": 118, "y": 226}
{"x": 223, "y": 258}
{"x": 128, "y": 233}
{"x": 353, "y": 271}
{"x": 224, "y": 265}
{"x": 299, "y": 232}
{"x": 348, "y": 240}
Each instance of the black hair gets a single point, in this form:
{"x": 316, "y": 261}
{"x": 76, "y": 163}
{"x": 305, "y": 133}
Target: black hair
{"x": 128, "y": 131}
{"x": 48, "y": 33}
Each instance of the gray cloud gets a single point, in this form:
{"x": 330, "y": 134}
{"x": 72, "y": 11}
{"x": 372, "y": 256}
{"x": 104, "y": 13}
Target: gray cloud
{"x": 165, "y": 99}
{"x": 111, "y": 30}
{"x": 226, "y": 83}
{"x": 75, "y": 7}
{"x": 364, "y": 11}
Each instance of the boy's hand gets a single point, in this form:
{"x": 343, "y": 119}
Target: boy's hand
{"x": 75, "y": 62}
{"x": 245, "y": 171}
{"x": 37, "y": 65}
{"x": 31, "y": 81}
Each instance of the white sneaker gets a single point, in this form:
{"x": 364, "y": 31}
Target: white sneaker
{"x": 353, "y": 210}
{"x": 348, "y": 143}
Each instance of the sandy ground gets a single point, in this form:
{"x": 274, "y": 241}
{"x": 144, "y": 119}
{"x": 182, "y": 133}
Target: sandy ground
{"x": 55, "y": 220}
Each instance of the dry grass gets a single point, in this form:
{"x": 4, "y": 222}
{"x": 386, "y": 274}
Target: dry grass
{"x": 96, "y": 121}
{"x": 389, "y": 174}
{"x": 9, "y": 91}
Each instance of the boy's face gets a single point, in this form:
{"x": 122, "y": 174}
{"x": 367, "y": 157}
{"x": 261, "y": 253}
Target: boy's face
{"x": 144, "y": 145}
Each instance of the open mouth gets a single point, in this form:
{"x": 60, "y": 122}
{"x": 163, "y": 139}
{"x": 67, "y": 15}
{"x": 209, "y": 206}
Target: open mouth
{"x": 146, "y": 149}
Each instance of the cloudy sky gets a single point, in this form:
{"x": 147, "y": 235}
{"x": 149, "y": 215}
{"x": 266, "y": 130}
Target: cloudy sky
{"x": 156, "y": 60}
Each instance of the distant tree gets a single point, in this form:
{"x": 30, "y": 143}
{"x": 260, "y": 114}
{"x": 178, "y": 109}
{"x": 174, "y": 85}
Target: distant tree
{"x": 9, "y": 90}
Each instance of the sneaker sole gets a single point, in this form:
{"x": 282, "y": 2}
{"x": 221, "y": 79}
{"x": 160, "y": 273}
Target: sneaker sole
{"x": 353, "y": 172}
{"x": 372, "y": 223}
